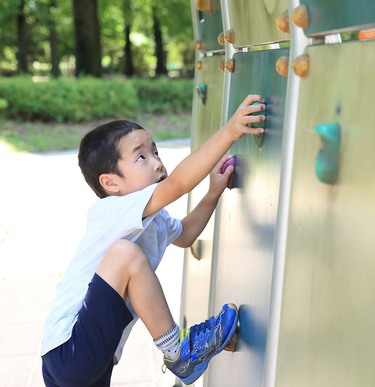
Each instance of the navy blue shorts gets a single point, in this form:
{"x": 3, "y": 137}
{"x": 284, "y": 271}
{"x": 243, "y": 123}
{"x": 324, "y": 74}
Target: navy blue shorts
{"x": 86, "y": 359}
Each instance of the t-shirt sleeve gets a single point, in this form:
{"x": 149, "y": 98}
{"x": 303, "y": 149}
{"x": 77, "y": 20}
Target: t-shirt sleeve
{"x": 174, "y": 227}
{"x": 116, "y": 217}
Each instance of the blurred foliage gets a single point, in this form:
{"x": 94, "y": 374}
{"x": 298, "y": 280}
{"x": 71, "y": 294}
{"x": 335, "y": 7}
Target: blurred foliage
{"x": 85, "y": 99}
{"x": 37, "y": 16}
{"x": 164, "y": 95}
{"x": 175, "y": 18}
{"x": 18, "y": 136}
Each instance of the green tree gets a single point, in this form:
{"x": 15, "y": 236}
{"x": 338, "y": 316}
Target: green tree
{"x": 176, "y": 26}
{"x": 21, "y": 38}
{"x": 131, "y": 37}
{"x": 181, "y": 31}
{"x": 8, "y": 34}
{"x": 125, "y": 26}
{"x": 87, "y": 38}
{"x": 160, "y": 53}
{"x": 53, "y": 39}
{"x": 128, "y": 49}
{"x": 45, "y": 41}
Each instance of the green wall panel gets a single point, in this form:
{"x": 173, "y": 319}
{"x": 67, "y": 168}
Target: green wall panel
{"x": 245, "y": 226}
{"x": 209, "y": 26}
{"x": 339, "y": 15}
{"x": 328, "y": 317}
{"x": 253, "y": 22}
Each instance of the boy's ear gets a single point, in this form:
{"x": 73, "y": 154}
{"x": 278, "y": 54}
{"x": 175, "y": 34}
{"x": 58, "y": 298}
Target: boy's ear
{"x": 109, "y": 182}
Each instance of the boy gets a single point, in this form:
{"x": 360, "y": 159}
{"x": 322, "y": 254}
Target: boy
{"x": 111, "y": 279}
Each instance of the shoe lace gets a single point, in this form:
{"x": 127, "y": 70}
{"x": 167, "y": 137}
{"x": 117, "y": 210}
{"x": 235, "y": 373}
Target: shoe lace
{"x": 202, "y": 327}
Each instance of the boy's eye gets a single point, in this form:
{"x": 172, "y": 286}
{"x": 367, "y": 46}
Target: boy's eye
{"x": 156, "y": 153}
{"x": 141, "y": 157}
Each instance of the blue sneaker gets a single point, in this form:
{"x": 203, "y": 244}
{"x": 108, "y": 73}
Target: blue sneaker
{"x": 202, "y": 342}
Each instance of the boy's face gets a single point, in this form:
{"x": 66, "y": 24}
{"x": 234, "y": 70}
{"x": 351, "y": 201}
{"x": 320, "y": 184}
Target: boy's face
{"x": 139, "y": 164}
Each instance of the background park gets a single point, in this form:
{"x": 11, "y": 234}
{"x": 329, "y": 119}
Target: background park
{"x": 65, "y": 67}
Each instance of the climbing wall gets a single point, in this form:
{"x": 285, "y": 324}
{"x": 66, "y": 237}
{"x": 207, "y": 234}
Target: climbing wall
{"x": 291, "y": 242}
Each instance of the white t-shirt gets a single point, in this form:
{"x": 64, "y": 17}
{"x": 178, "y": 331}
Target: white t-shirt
{"x": 109, "y": 219}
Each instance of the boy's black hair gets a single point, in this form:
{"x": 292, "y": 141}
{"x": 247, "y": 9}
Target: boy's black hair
{"x": 99, "y": 152}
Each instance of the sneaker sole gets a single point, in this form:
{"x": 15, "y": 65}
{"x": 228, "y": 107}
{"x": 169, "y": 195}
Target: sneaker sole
{"x": 203, "y": 366}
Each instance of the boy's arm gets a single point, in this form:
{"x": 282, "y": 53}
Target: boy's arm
{"x": 193, "y": 169}
{"x": 194, "y": 223}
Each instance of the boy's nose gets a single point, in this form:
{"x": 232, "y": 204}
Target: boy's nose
{"x": 158, "y": 165}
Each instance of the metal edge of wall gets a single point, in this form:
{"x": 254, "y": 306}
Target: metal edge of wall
{"x": 178, "y": 382}
{"x": 298, "y": 44}
{"x": 223, "y": 120}
{"x": 229, "y": 51}
{"x": 216, "y": 215}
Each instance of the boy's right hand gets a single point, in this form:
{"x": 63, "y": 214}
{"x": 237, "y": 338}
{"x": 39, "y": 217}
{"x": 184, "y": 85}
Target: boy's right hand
{"x": 238, "y": 124}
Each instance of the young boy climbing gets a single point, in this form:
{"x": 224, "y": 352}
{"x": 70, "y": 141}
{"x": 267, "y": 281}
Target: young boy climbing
{"x": 111, "y": 279}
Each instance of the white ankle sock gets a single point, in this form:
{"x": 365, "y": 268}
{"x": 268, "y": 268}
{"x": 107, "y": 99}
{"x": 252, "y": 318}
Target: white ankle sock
{"x": 169, "y": 343}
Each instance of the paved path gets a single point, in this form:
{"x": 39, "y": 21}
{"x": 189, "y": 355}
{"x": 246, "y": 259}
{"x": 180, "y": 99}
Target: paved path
{"x": 43, "y": 206}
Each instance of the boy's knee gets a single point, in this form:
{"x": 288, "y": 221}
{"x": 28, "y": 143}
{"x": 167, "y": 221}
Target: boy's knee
{"x": 123, "y": 248}
{"x": 122, "y": 261}
{"x": 127, "y": 254}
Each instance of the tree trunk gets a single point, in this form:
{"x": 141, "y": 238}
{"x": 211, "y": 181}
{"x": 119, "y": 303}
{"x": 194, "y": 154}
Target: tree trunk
{"x": 87, "y": 38}
{"x": 55, "y": 60}
{"x": 21, "y": 39}
{"x": 161, "y": 68}
{"x": 128, "y": 65}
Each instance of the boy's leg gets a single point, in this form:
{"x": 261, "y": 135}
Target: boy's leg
{"x": 127, "y": 269}
{"x": 124, "y": 270}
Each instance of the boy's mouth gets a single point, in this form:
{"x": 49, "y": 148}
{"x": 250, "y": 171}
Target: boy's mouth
{"x": 162, "y": 177}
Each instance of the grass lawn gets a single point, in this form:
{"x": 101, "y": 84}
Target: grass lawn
{"x": 47, "y": 137}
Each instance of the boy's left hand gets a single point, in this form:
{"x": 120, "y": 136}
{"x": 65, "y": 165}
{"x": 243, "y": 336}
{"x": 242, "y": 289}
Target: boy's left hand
{"x": 218, "y": 180}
